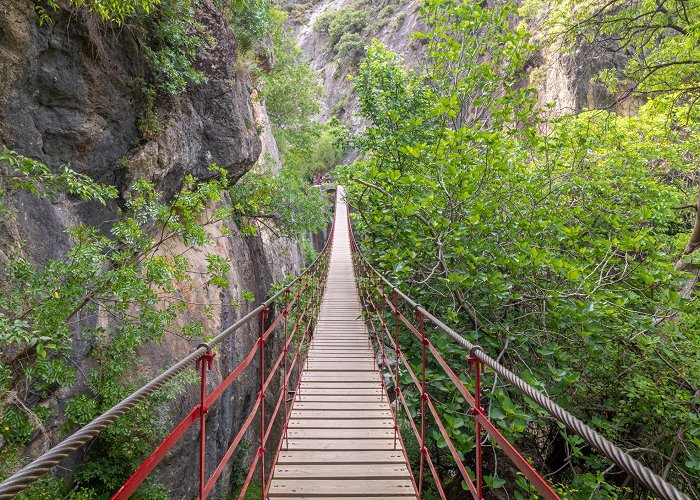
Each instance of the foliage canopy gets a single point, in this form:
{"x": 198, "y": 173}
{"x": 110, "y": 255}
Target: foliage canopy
{"x": 552, "y": 245}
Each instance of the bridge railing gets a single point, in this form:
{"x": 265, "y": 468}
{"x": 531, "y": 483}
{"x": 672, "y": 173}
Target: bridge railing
{"x": 303, "y": 307}
{"x": 302, "y": 299}
{"x": 382, "y": 301}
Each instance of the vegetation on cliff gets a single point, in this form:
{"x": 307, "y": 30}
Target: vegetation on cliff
{"x": 129, "y": 282}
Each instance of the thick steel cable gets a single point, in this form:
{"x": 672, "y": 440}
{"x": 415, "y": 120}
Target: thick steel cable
{"x": 636, "y": 469}
{"x": 35, "y": 469}
{"x": 43, "y": 464}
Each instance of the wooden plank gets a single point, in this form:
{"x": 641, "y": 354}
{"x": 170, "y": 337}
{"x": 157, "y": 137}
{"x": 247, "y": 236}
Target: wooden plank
{"x": 332, "y": 471}
{"x": 341, "y": 433}
{"x": 359, "y": 342}
{"x": 341, "y": 457}
{"x": 340, "y": 398}
{"x": 359, "y": 498}
{"x": 372, "y": 389}
{"x": 356, "y": 337}
{"x": 341, "y": 342}
{"x": 340, "y": 358}
{"x": 356, "y": 351}
{"x": 342, "y": 488}
{"x": 341, "y": 385}
{"x": 364, "y": 360}
{"x": 339, "y": 332}
{"x": 340, "y": 377}
{"x": 343, "y": 444}
{"x": 298, "y": 423}
{"x": 326, "y": 366}
{"x": 341, "y": 414}
{"x": 336, "y": 405}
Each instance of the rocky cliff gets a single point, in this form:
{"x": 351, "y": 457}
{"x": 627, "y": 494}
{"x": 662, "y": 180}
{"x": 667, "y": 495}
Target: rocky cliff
{"x": 69, "y": 94}
{"x": 565, "y": 79}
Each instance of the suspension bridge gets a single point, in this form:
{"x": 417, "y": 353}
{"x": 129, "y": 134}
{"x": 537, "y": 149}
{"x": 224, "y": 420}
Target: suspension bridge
{"x": 335, "y": 394}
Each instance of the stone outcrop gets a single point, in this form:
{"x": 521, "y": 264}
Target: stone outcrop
{"x": 70, "y": 94}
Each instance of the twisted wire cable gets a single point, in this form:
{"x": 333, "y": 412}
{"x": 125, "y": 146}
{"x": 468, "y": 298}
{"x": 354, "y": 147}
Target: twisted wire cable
{"x": 43, "y": 464}
{"x": 624, "y": 460}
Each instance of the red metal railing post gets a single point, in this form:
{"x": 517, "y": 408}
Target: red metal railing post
{"x": 261, "y": 450}
{"x": 204, "y": 363}
{"x": 397, "y": 369}
{"x": 475, "y": 365}
{"x": 284, "y": 373}
{"x": 423, "y": 400}
{"x": 300, "y": 361}
{"x": 383, "y": 345}
{"x": 312, "y": 304}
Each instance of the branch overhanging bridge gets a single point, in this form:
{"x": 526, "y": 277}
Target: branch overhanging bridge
{"x": 346, "y": 395}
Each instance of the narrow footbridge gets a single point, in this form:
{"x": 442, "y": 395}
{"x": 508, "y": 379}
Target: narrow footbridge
{"x": 340, "y": 437}
{"x": 344, "y": 407}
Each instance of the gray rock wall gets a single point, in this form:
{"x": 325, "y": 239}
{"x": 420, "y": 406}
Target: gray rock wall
{"x": 69, "y": 93}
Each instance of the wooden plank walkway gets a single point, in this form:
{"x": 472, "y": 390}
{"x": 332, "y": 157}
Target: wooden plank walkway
{"x": 341, "y": 432}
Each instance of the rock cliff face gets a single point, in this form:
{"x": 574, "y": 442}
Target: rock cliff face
{"x": 390, "y": 21}
{"x": 562, "y": 79}
{"x": 68, "y": 95}
{"x": 568, "y": 80}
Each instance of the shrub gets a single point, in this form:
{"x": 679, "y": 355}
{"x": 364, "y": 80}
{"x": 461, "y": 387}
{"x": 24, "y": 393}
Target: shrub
{"x": 250, "y": 21}
{"x": 116, "y": 11}
{"x": 344, "y": 22}
{"x": 351, "y": 47}
{"x": 173, "y": 50}
{"x": 323, "y": 21}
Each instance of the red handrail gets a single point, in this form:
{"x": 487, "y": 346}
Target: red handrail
{"x": 313, "y": 281}
{"x": 370, "y": 287}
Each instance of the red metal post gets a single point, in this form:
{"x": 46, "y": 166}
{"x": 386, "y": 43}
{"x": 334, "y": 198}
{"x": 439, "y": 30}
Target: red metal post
{"x": 204, "y": 363}
{"x": 475, "y": 365}
{"x": 397, "y": 370}
{"x": 300, "y": 361}
{"x": 311, "y": 304}
{"x": 383, "y": 345}
{"x": 261, "y": 450}
{"x": 423, "y": 399}
{"x": 284, "y": 353}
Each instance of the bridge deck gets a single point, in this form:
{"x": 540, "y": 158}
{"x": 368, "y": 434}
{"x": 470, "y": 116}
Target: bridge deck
{"x": 341, "y": 432}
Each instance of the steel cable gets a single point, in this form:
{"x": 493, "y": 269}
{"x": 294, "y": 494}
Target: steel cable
{"x": 43, "y": 464}
{"x": 636, "y": 469}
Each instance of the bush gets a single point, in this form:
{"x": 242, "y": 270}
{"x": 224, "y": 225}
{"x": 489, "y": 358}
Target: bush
{"x": 323, "y": 21}
{"x": 116, "y": 11}
{"x": 351, "y": 47}
{"x": 346, "y": 21}
{"x": 250, "y": 21}
{"x": 173, "y": 50}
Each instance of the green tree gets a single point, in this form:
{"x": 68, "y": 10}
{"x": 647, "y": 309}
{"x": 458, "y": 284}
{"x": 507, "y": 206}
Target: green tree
{"x": 555, "y": 252}
{"x": 280, "y": 197}
{"x": 114, "y": 290}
